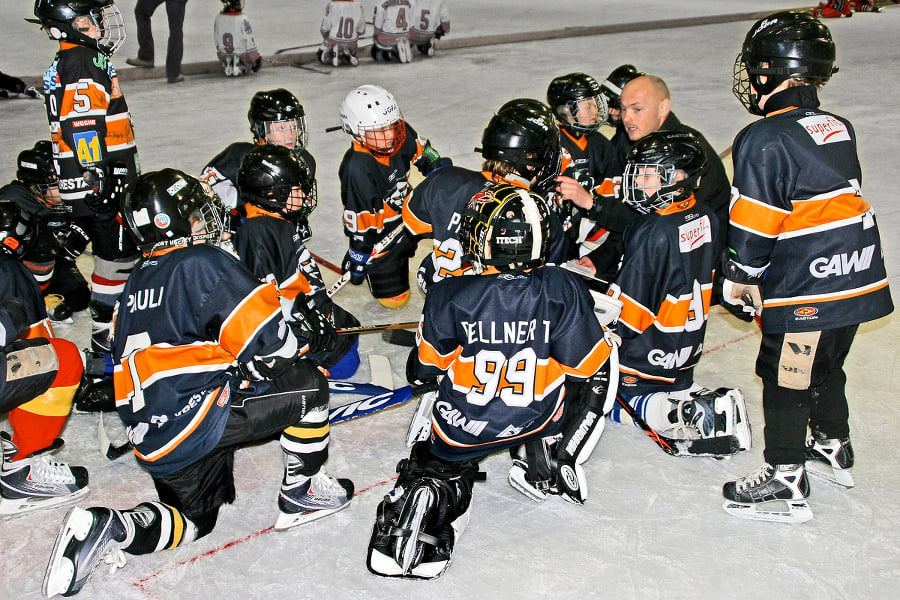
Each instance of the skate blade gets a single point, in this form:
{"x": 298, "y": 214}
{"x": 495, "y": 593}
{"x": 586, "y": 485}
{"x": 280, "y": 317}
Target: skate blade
{"x": 777, "y": 511}
{"x": 60, "y": 572}
{"x": 287, "y": 521}
{"x": 408, "y": 550}
{"x": 518, "y": 482}
{"x": 11, "y": 508}
{"x": 841, "y": 477}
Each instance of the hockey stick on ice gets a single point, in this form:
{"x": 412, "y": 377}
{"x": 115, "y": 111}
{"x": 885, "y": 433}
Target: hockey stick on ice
{"x": 376, "y": 252}
{"x": 374, "y": 328}
{"x": 376, "y": 402}
{"x": 298, "y": 66}
{"x": 304, "y": 46}
{"x": 107, "y": 448}
{"x": 326, "y": 263}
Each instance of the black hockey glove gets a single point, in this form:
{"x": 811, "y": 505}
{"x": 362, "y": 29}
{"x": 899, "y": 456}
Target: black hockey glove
{"x": 106, "y": 185}
{"x": 265, "y": 368}
{"x": 315, "y": 327}
{"x": 740, "y": 291}
{"x": 431, "y": 161}
{"x": 14, "y": 321}
{"x": 355, "y": 264}
{"x": 439, "y": 32}
{"x": 72, "y": 241}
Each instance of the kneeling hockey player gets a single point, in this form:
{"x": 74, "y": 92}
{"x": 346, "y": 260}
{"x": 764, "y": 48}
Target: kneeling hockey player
{"x": 511, "y": 348}
{"x": 665, "y": 284}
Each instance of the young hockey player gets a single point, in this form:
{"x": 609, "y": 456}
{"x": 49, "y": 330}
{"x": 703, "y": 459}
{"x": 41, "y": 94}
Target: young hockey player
{"x": 579, "y": 105}
{"x": 665, "y": 285}
{"x": 343, "y": 24}
{"x": 430, "y": 22}
{"x": 805, "y": 255}
{"x": 235, "y": 45}
{"x": 520, "y": 146}
{"x": 511, "y": 348}
{"x": 93, "y": 141}
{"x": 834, "y": 9}
{"x": 193, "y": 385}
{"x": 276, "y": 117}
{"x": 390, "y": 42}
{"x": 51, "y": 259}
{"x": 374, "y": 187}
{"x": 40, "y": 374}
{"x": 279, "y": 193}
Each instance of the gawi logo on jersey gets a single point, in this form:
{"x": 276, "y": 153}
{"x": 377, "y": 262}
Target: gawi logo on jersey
{"x": 825, "y": 129}
{"x": 694, "y": 234}
{"x": 144, "y": 299}
{"x": 672, "y": 360}
{"x": 841, "y": 264}
{"x": 455, "y": 418}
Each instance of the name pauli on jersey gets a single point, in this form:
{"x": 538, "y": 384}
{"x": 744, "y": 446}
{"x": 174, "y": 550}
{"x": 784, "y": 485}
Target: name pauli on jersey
{"x": 505, "y": 332}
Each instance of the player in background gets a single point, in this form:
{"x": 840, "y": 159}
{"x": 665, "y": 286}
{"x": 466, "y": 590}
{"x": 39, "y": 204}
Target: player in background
{"x": 835, "y": 9}
{"x": 391, "y": 37}
{"x": 279, "y": 194}
{"x": 276, "y": 117}
{"x": 40, "y": 374}
{"x": 342, "y": 26}
{"x": 520, "y": 146}
{"x": 611, "y": 88}
{"x": 51, "y": 258}
{"x": 193, "y": 385}
{"x": 665, "y": 285}
{"x": 580, "y": 107}
{"x": 805, "y": 256}
{"x": 235, "y": 45}
{"x": 510, "y": 349}
{"x": 93, "y": 142}
{"x": 374, "y": 176}
{"x": 430, "y": 22}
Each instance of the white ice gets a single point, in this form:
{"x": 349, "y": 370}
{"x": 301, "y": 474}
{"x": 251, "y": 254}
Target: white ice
{"x": 653, "y": 525}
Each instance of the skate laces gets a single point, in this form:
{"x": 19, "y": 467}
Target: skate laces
{"x": 52, "y": 471}
{"x": 755, "y": 478}
{"x": 324, "y": 484}
{"x": 115, "y": 558}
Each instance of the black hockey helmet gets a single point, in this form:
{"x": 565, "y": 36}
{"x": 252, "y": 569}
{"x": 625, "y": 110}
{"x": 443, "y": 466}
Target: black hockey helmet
{"x": 611, "y": 88}
{"x": 661, "y": 168}
{"x": 782, "y": 46}
{"x": 505, "y": 226}
{"x": 232, "y": 5}
{"x": 268, "y": 177}
{"x": 570, "y": 96}
{"x": 17, "y": 231}
{"x": 281, "y": 107}
{"x": 170, "y": 208}
{"x": 34, "y": 168}
{"x": 525, "y": 135}
{"x": 57, "y": 16}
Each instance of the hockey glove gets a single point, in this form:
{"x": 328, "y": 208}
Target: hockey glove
{"x": 431, "y": 161}
{"x": 740, "y": 292}
{"x": 315, "y": 327}
{"x": 72, "y": 241}
{"x": 439, "y": 32}
{"x": 106, "y": 185}
{"x": 355, "y": 264}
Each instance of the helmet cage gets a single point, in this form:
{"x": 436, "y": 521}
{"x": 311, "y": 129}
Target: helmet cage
{"x": 277, "y": 117}
{"x": 290, "y": 133}
{"x": 382, "y": 140}
{"x": 281, "y": 194}
{"x": 664, "y": 191}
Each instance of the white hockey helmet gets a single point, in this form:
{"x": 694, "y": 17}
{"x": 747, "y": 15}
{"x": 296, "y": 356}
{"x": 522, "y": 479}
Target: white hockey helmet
{"x": 371, "y": 115}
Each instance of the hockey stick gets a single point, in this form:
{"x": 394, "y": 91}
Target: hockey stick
{"x": 107, "y": 448}
{"x": 400, "y": 337}
{"x": 374, "y": 328}
{"x": 283, "y": 50}
{"x": 376, "y": 251}
{"x": 334, "y": 128}
{"x": 715, "y": 447}
{"x": 376, "y": 402}
{"x": 326, "y": 263}
{"x": 299, "y": 66}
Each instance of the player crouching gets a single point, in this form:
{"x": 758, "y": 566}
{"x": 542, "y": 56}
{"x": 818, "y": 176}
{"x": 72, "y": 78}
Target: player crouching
{"x": 510, "y": 347}
{"x": 665, "y": 284}
{"x": 235, "y": 45}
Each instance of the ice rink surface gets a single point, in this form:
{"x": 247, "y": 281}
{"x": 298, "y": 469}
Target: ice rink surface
{"x": 653, "y": 525}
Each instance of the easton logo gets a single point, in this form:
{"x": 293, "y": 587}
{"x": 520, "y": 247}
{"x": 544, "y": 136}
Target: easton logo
{"x": 842, "y": 264}
{"x": 806, "y": 311}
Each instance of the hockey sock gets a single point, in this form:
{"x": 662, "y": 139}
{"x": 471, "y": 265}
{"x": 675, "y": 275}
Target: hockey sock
{"x": 153, "y": 526}
{"x": 654, "y": 408}
{"x": 308, "y": 441}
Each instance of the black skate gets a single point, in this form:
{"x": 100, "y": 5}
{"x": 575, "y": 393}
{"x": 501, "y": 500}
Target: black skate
{"x": 771, "y": 493}
{"x": 318, "y": 496}
{"x": 830, "y": 459}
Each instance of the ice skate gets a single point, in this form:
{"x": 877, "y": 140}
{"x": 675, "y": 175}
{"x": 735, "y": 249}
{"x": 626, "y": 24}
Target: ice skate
{"x": 36, "y": 482}
{"x": 348, "y": 57}
{"x": 86, "y": 537}
{"x": 716, "y": 421}
{"x": 316, "y": 497}
{"x": 404, "y": 51}
{"x": 771, "y": 493}
{"x": 420, "y": 424}
{"x": 335, "y": 58}
{"x": 830, "y": 459}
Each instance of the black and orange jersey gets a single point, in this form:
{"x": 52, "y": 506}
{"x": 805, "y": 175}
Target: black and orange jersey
{"x": 593, "y": 157}
{"x": 798, "y": 214}
{"x": 375, "y": 188}
{"x": 186, "y": 318}
{"x": 665, "y": 285}
{"x": 89, "y": 119}
{"x": 506, "y": 343}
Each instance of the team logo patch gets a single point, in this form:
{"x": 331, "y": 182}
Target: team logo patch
{"x": 825, "y": 129}
{"x": 806, "y": 311}
{"x": 162, "y": 221}
{"x": 629, "y": 379}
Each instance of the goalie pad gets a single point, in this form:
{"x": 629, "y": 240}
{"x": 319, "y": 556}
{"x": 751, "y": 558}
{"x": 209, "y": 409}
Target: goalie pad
{"x": 420, "y": 425}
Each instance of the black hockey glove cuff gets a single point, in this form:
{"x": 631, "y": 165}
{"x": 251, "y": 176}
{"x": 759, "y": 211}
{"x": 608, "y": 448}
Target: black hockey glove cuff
{"x": 315, "y": 327}
{"x": 106, "y": 185}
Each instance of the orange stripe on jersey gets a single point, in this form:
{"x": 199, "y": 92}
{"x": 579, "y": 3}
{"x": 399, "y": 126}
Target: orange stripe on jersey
{"x": 428, "y": 355}
{"x": 548, "y": 376}
{"x": 248, "y": 317}
{"x": 374, "y": 220}
{"x": 41, "y": 329}
{"x": 415, "y": 225}
{"x": 186, "y": 432}
{"x": 677, "y": 207}
{"x": 580, "y": 141}
{"x": 591, "y": 363}
{"x": 295, "y": 286}
{"x": 118, "y": 131}
{"x": 758, "y": 217}
{"x": 634, "y": 314}
{"x": 822, "y": 211}
{"x": 609, "y": 187}
{"x": 854, "y": 293}
{"x": 675, "y": 312}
